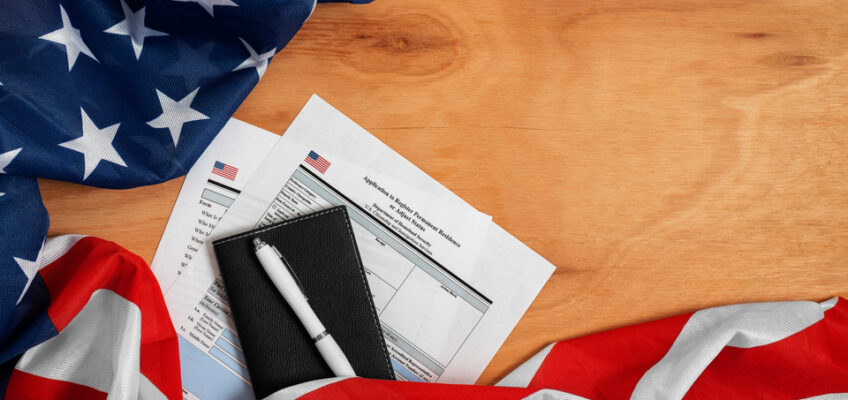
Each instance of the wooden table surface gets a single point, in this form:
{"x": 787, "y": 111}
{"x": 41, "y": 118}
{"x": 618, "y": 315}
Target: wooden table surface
{"x": 666, "y": 156}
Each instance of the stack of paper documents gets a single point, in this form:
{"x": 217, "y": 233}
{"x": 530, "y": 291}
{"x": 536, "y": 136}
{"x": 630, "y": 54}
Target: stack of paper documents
{"x": 449, "y": 285}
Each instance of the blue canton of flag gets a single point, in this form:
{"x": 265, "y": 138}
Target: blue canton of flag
{"x": 115, "y": 94}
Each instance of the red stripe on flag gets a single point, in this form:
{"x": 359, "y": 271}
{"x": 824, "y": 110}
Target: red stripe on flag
{"x": 26, "y": 386}
{"x": 608, "y": 364}
{"x": 93, "y": 264}
{"x": 809, "y": 363}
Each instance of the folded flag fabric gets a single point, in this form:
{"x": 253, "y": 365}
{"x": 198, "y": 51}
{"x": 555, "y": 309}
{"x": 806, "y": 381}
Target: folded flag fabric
{"x": 93, "y": 324}
{"x": 782, "y": 350}
{"x": 116, "y": 94}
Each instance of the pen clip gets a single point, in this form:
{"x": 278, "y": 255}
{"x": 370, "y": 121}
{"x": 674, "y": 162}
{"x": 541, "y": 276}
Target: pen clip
{"x": 291, "y": 271}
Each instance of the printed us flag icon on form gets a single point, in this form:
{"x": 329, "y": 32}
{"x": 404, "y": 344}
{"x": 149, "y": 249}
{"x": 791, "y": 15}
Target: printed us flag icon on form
{"x": 226, "y": 170}
{"x": 317, "y": 161}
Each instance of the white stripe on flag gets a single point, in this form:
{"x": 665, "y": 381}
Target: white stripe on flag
{"x": 100, "y": 348}
{"x": 293, "y": 392}
{"x": 57, "y": 246}
{"x": 708, "y": 331}
{"x": 550, "y": 394}
{"x": 521, "y": 376}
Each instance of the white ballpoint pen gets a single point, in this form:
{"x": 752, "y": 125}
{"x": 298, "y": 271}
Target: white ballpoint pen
{"x": 276, "y": 268}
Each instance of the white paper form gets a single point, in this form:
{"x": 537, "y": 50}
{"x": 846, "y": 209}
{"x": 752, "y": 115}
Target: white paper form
{"x": 407, "y": 250}
{"x": 210, "y": 187}
{"x": 449, "y": 285}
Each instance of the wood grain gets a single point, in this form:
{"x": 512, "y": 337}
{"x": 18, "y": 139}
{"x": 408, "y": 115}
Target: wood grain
{"x": 665, "y": 155}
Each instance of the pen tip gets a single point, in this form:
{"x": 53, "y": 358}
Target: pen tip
{"x": 257, "y": 241}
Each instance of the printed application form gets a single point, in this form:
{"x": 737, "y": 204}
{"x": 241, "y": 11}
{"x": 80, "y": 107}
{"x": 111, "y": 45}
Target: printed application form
{"x": 426, "y": 311}
{"x": 448, "y": 284}
{"x": 210, "y": 187}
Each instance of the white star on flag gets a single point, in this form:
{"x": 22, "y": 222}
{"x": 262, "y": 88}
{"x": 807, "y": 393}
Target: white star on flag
{"x": 258, "y": 61}
{"x": 29, "y": 268}
{"x": 70, "y": 37}
{"x": 176, "y": 113}
{"x": 209, "y": 5}
{"x": 95, "y": 144}
{"x": 133, "y": 26}
{"x": 7, "y": 157}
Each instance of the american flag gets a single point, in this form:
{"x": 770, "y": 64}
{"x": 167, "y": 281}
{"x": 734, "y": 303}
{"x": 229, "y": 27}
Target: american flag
{"x": 226, "y": 170}
{"x": 317, "y": 162}
{"x": 114, "y": 94}
{"x": 93, "y": 304}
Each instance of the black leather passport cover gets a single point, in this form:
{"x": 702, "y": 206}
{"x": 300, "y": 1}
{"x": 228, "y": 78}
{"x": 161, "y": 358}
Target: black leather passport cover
{"x": 322, "y": 252}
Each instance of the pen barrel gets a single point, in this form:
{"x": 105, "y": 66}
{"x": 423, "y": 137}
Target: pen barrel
{"x": 334, "y": 356}
{"x": 289, "y": 289}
